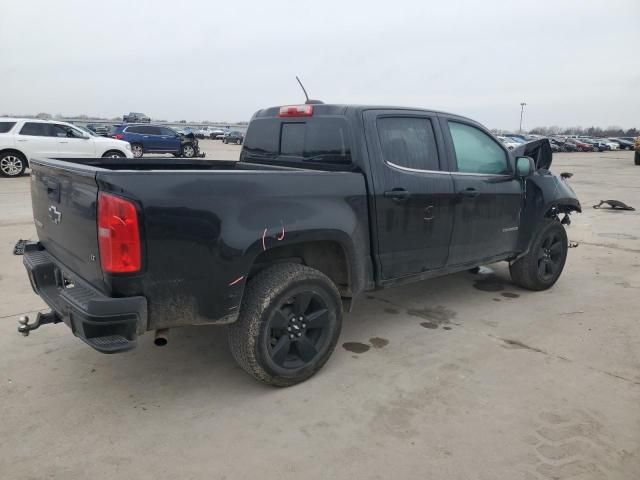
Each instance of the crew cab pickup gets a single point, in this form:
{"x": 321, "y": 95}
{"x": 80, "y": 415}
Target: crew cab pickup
{"x": 326, "y": 202}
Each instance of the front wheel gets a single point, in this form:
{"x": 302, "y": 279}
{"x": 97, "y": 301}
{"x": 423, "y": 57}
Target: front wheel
{"x": 12, "y": 164}
{"x": 289, "y": 324}
{"x": 188, "y": 151}
{"x": 541, "y": 267}
{"x": 113, "y": 154}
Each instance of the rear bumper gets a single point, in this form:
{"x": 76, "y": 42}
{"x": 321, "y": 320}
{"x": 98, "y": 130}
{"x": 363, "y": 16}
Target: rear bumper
{"x": 107, "y": 324}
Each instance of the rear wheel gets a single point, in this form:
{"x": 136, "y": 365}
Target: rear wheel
{"x": 137, "y": 150}
{"x": 12, "y": 164}
{"x": 637, "y": 158}
{"x": 113, "y": 154}
{"x": 238, "y": 142}
{"x": 188, "y": 151}
{"x": 541, "y": 267}
{"x": 288, "y": 326}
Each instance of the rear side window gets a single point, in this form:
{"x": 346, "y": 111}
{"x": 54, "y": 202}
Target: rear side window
{"x": 36, "y": 129}
{"x": 408, "y": 142}
{"x": 319, "y": 140}
{"x": 477, "y": 152}
{"x": 6, "y": 126}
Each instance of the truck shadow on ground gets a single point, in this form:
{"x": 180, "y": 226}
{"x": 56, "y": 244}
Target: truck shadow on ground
{"x": 198, "y": 358}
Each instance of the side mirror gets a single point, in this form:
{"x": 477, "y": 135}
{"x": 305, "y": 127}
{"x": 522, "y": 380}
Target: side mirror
{"x": 525, "y": 166}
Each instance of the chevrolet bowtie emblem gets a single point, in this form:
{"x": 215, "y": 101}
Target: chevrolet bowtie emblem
{"x": 54, "y": 214}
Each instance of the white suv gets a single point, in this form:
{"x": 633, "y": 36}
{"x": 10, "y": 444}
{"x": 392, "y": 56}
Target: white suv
{"x": 23, "y": 139}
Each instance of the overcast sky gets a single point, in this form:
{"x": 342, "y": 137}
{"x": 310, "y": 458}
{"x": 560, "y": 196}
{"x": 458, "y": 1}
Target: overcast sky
{"x": 573, "y": 62}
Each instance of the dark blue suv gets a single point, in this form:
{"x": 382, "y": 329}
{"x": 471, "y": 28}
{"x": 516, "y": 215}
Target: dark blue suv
{"x": 145, "y": 138}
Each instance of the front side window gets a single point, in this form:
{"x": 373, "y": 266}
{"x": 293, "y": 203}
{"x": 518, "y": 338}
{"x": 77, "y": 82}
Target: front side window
{"x": 408, "y": 142}
{"x": 35, "y": 129}
{"x": 66, "y": 131}
{"x": 477, "y": 152}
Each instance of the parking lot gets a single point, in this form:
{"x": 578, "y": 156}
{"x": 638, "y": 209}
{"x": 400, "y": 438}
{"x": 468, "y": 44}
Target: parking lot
{"x": 462, "y": 377}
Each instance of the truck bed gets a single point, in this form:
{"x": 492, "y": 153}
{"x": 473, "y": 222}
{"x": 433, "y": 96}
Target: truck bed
{"x": 166, "y": 163}
{"x": 204, "y": 226}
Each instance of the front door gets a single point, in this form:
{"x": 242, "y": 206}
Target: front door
{"x": 171, "y": 140}
{"x": 489, "y": 197}
{"x": 72, "y": 142}
{"x": 413, "y": 191}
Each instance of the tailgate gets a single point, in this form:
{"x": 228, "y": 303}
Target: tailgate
{"x": 64, "y": 204}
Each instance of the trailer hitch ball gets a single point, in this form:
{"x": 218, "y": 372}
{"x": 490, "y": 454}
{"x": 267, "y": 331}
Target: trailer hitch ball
{"x": 23, "y": 328}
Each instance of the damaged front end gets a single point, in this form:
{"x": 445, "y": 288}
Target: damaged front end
{"x": 547, "y": 195}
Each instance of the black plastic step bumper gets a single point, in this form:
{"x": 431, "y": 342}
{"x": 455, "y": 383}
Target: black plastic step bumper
{"x": 110, "y": 325}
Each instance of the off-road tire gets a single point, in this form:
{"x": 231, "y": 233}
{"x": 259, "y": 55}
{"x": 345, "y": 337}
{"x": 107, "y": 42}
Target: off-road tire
{"x": 636, "y": 159}
{"x": 265, "y": 293}
{"x": 525, "y": 272}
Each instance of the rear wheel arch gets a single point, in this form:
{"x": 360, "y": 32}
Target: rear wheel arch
{"x": 13, "y": 163}
{"x": 15, "y": 152}
{"x": 327, "y": 256}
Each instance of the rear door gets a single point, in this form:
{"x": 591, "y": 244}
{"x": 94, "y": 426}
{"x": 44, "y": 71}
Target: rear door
{"x": 413, "y": 191}
{"x": 37, "y": 140}
{"x": 64, "y": 210}
{"x": 152, "y": 138}
{"x": 489, "y": 198}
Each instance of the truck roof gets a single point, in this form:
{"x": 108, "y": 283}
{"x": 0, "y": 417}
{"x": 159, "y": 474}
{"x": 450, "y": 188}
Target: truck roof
{"x": 343, "y": 109}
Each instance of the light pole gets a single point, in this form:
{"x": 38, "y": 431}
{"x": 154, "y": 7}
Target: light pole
{"x": 521, "y": 113}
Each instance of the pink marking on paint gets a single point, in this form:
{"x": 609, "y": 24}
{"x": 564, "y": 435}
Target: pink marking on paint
{"x": 237, "y": 280}
{"x": 264, "y": 245}
{"x": 281, "y": 236}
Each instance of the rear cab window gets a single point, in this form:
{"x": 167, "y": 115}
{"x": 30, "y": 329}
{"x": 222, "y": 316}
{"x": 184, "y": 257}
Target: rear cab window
{"x": 322, "y": 142}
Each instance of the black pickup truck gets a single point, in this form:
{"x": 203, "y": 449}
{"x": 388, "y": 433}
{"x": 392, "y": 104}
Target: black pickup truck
{"x": 326, "y": 202}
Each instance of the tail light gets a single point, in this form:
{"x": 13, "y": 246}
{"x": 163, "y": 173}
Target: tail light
{"x": 118, "y": 136}
{"x": 296, "y": 111}
{"x": 118, "y": 235}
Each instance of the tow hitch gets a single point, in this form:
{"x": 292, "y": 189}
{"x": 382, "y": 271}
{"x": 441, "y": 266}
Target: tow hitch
{"x": 43, "y": 318}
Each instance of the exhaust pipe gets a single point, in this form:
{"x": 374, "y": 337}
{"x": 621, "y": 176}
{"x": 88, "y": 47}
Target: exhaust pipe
{"x": 161, "y": 337}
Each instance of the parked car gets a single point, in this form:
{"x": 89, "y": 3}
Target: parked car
{"x": 581, "y": 145}
{"x": 204, "y": 132}
{"x": 234, "y": 137}
{"x": 22, "y": 140}
{"x": 624, "y": 144}
{"x": 216, "y": 133}
{"x": 145, "y": 138}
{"x": 98, "y": 128}
{"x": 136, "y": 117}
{"x": 567, "y": 146}
{"x": 612, "y": 144}
{"x": 274, "y": 245}
{"x": 598, "y": 144}
{"x": 508, "y": 142}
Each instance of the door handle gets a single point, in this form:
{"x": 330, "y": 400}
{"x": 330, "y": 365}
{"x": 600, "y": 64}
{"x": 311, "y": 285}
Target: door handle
{"x": 63, "y": 141}
{"x": 22, "y": 139}
{"x": 397, "y": 193}
{"x": 469, "y": 192}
